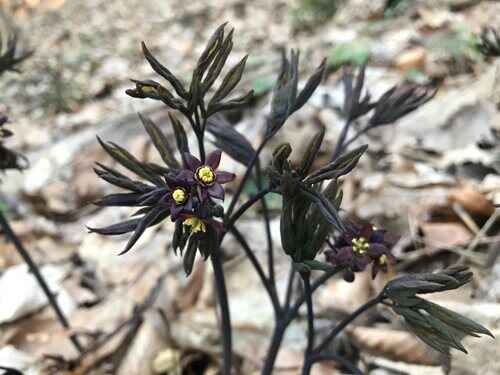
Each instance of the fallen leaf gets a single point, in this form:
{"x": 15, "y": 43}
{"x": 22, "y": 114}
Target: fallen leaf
{"x": 392, "y": 344}
{"x": 472, "y": 201}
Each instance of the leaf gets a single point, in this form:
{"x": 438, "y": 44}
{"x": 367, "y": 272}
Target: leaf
{"x": 311, "y": 86}
{"x": 180, "y": 136}
{"x": 337, "y": 168}
{"x": 230, "y": 81}
{"x": 117, "y": 179}
{"x": 164, "y": 72}
{"x": 232, "y": 104}
{"x": 219, "y": 62}
{"x": 156, "y": 215}
{"x": 190, "y": 255}
{"x": 124, "y": 199}
{"x": 316, "y": 265}
{"x": 329, "y": 211}
{"x": 229, "y": 140}
{"x": 116, "y": 229}
{"x": 211, "y": 48}
{"x": 160, "y": 142}
{"x": 284, "y": 93}
{"x": 126, "y": 159}
{"x": 311, "y": 152}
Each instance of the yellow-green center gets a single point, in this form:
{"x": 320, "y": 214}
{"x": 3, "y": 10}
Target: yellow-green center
{"x": 197, "y": 225}
{"x": 206, "y": 175}
{"x": 383, "y": 259}
{"x": 179, "y": 195}
{"x": 360, "y": 245}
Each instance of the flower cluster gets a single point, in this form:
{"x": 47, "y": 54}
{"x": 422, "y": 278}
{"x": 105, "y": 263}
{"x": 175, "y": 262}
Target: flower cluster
{"x": 360, "y": 246}
{"x": 186, "y": 195}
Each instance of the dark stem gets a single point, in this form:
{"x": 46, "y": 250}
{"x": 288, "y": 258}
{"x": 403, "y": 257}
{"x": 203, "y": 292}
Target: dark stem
{"x": 310, "y": 323}
{"x": 294, "y": 310}
{"x": 220, "y": 288}
{"x": 9, "y": 233}
{"x": 289, "y": 288}
{"x": 247, "y": 175}
{"x": 340, "y": 143}
{"x": 339, "y": 327}
{"x": 245, "y": 206}
{"x": 200, "y": 134}
{"x": 284, "y": 321}
{"x": 267, "y": 225}
{"x": 274, "y": 346}
{"x": 270, "y": 287}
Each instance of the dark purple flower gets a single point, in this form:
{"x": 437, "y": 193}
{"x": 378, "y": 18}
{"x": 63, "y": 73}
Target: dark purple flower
{"x": 179, "y": 196}
{"x": 360, "y": 246}
{"x": 207, "y": 179}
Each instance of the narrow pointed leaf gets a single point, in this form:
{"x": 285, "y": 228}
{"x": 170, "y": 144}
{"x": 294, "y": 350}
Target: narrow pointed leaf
{"x": 160, "y": 142}
{"x": 165, "y": 73}
{"x": 230, "y": 81}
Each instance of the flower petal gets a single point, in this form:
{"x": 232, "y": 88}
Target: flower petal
{"x": 186, "y": 177}
{"x": 213, "y": 159}
{"x": 192, "y": 161}
{"x": 175, "y": 210}
{"x": 216, "y": 191}
{"x": 224, "y": 177}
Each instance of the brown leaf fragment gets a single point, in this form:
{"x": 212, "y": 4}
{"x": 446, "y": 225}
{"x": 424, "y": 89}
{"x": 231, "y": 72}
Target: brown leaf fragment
{"x": 393, "y": 344}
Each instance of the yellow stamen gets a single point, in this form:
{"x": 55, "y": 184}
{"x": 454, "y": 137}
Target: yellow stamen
{"x": 383, "y": 259}
{"x": 205, "y": 174}
{"x": 179, "y": 195}
{"x": 360, "y": 245}
{"x": 196, "y": 224}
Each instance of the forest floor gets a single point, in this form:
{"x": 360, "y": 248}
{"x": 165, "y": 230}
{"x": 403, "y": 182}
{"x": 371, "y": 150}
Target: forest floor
{"x": 433, "y": 179}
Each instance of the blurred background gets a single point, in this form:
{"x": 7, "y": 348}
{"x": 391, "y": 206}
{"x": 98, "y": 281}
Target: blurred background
{"x": 432, "y": 178}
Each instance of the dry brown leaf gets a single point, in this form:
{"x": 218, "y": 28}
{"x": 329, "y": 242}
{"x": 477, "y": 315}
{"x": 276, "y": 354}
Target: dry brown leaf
{"x": 472, "y": 201}
{"x": 392, "y": 344}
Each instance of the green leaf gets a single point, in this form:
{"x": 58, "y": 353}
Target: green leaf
{"x": 311, "y": 152}
{"x": 337, "y": 168}
{"x": 165, "y": 73}
{"x": 126, "y": 159}
{"x": 180, "y": 135}
{"x": 160, "y": 142}
{"x": 318, "y": 266}
{"x": 229, "y": 140}
{"x": 230, "y": 81}
{"x": 311, "y": 86}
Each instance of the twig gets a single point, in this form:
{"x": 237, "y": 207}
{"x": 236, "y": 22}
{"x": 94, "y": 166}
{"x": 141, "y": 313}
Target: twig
{"x": 9, "y": 233}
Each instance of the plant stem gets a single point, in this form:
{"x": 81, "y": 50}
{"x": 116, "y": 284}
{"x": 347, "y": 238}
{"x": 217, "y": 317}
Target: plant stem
{"x": 9, "y": 233}
{"x": 339, "y": 327}
{"x": 226, "y": 330}
{"x": 284, "y": 321}
{"x": 270, "y": 286}
{"x": 310, "y": 323}
{"x": 267, "y": 224}
{"x": 340, "y": 143}
{"x": 289, "y": 288}
{"x": 246, "y": 176}
{"x": 245, "y": 206}
{"x": 274, "y": 347}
